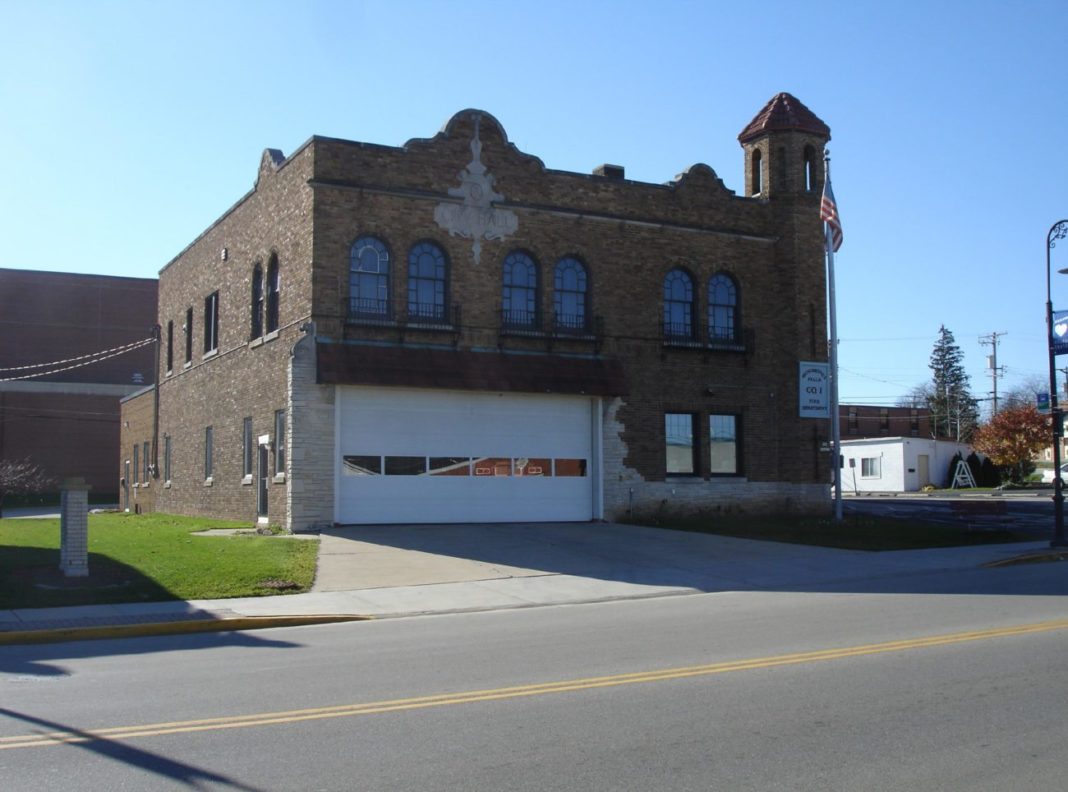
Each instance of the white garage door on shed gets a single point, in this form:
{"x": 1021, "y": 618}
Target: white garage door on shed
{"x": 408, "y": 455}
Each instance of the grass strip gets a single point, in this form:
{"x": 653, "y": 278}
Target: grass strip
{"x": 148, "y": 558}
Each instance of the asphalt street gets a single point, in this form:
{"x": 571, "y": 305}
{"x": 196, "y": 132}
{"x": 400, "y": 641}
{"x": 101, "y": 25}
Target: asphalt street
{"x": 954, "y": 681}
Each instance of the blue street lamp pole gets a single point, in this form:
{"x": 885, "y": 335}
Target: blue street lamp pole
{"x": 1059, "y": 230}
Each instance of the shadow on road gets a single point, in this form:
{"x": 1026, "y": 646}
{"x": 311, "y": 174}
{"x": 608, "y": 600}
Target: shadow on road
{"x": 189, "y": 775}
{"x": 45, "y": 660}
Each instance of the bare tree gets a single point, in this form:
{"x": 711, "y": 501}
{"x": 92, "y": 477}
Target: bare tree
{"x": 19, "y": 477}
{"x": 919, "y": 396}
{"x": 1023, "y": 395}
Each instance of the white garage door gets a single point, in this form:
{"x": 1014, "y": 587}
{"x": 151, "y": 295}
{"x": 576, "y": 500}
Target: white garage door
{"x": 415, "y": 455}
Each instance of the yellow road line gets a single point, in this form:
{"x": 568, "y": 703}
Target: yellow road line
{"x": 518, "y": 691}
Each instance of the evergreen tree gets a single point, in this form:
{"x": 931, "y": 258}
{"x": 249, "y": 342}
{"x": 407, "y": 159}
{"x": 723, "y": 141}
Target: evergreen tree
{"x": 954, "y": 413}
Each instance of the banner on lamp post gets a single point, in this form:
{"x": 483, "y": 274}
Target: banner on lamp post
{"x": 1058, "y": 338}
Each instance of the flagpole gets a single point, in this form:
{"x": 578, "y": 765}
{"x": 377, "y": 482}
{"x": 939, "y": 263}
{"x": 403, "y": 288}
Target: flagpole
{"x": 836, "y": 430}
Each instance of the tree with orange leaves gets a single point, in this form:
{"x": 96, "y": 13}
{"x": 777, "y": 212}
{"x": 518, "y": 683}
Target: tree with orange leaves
{"x": 1012, "y": 437}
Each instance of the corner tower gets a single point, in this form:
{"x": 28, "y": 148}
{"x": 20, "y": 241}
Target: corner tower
{"x": 784, "y": 150}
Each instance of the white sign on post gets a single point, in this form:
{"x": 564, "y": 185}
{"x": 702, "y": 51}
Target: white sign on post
{"x": 814, "y": 390}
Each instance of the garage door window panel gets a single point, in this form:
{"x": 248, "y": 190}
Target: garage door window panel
{"x": 362, "y": 465}
{"x": 493, "y": 466}
{"x": 529, "y": 466}
{"x": 569, "y": 468}
{"x": 450, "y": 466}
{"x": 405, "y": 466}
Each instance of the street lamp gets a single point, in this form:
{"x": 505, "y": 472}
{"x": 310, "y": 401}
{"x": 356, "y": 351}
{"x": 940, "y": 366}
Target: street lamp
{"x": 1059, "y": 230}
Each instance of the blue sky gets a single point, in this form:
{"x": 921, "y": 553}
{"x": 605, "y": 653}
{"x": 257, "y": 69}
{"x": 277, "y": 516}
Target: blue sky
{"x": 128, "y": 127}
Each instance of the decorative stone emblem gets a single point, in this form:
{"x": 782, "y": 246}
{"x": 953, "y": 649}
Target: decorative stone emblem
{"x": 476, "y": 218}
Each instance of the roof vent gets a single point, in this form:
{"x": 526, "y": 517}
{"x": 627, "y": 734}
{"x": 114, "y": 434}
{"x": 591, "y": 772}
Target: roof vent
{"x": 609, "y": 171}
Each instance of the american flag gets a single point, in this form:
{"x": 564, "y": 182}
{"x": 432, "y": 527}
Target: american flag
{"x": 829, "y": 215}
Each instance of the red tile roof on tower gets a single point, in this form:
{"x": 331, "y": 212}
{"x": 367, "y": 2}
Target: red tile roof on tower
{"x": 784, "y": 112}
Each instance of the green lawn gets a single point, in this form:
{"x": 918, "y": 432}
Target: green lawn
{"x": 148, "y": 557}
{"x": 858, "y": 532}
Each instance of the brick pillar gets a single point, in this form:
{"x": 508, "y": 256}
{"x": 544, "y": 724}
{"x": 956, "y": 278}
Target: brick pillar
{"x": 74, "y": 528}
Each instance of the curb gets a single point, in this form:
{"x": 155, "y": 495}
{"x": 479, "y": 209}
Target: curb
{"x": 167, "y": 628}
{"x": 1039, "y": 557}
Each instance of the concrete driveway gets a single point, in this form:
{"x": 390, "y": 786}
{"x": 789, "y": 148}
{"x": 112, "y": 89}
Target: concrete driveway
{"x": 606, "y": 554}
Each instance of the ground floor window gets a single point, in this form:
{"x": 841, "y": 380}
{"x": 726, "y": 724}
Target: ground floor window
{"x": 679, "y": 448}
{"x": 869, "y": 467}
{"x": 166, "y": 457}
{"x": 246, "y": 448}
{"x": 279, "y": 442}
{"x": 208, "y": 457}
{"x": 724, "y": 450}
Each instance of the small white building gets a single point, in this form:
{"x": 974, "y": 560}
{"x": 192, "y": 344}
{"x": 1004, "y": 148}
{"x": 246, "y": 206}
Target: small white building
{"x": 898, "y": 464}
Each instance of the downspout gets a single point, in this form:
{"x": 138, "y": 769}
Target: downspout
{"x": 155, "y": 404}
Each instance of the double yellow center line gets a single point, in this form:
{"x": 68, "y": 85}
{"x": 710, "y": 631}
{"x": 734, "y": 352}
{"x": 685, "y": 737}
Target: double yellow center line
{"x": 518, "y": 691}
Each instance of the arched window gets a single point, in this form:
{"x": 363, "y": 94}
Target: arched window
{"x": 256, "y": 307}
{"x": 757, "y": 179}
{"x": 520, "y": 294}
{"x": 273, "y": 293}
{"x": 678, "y": 305}
{"x": 570, "y": 295}
{"x": 810, "y": 169}
{"x": 369, "y": 278}
{"x": 722, "y": 309}
{"x": 428, "y": 271}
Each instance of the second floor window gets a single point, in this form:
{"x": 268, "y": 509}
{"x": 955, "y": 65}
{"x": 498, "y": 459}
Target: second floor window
{"x": 520, "y": 293}
{"x": 569, "y": 295}
{"x": 188, "y": 335}
{"x": 170, "y": 346}
{"x": 369, "y": 278}
{"x": 722, "y": 309}
{"x": 678, "y": 305}
{"x": 256, "y": 328}
{"x": 274, "y": 293}
{"x": 427, "y": 281}
{"x": 211, "y": 322}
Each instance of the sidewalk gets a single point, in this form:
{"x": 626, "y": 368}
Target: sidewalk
{"x": 395, "y": 571}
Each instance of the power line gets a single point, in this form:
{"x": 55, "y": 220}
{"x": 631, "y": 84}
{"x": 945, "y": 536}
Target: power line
{"x": 86, "y": 360}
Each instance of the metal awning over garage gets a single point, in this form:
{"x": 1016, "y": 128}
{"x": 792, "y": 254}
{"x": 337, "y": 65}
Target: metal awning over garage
{"x": 364, "y": 364}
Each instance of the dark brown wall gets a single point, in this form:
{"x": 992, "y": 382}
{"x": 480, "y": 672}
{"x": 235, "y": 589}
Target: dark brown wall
{"x": 52, "y": 316}
{"x": 875, "y": 421}
{"x": 67, "y": 422}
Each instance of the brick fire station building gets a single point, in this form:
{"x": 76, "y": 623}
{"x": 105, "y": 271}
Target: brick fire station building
{"x": 450, "y": 331}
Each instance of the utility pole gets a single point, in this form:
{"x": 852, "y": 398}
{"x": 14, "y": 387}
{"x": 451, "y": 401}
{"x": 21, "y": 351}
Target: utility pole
{"x": 991, "y": 340}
